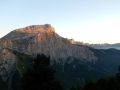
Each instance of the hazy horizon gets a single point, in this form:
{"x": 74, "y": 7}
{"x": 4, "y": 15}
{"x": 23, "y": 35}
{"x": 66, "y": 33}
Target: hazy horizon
{"x": 89, "y": 21}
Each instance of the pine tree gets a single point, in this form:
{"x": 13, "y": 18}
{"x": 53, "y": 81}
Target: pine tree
{"x": 41, "y": 76}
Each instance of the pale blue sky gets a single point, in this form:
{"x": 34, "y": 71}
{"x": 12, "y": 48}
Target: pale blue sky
{"x": 93, "y": 21}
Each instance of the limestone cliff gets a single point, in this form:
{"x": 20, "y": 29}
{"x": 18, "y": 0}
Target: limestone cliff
{"x": 43, "y": 39}
{"x": 39, "y": 39}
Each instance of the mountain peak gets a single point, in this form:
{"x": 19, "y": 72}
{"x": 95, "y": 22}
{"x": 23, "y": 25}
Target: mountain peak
{"x": 36, "y": 29}
{"x": 30, "y": 31}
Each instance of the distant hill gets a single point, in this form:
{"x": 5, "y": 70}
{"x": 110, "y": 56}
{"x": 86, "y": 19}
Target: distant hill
{"x": 105, "y": 46}
{"x": 100, "y": 46}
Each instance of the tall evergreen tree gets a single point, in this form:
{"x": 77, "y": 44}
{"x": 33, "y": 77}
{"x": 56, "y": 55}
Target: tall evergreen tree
{"x": 41, "y": 76}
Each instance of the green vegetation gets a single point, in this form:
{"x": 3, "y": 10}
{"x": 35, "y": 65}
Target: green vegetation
{"x": 23, "y": 63}
{"x": 3, "y": 85}
{"x": 109, "y": 83}
{"x": 37, "y": 74}
{"x": 41, "y": 76}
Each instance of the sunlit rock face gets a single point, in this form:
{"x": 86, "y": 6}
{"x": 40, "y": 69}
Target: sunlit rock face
{"x": 41, "y": 39}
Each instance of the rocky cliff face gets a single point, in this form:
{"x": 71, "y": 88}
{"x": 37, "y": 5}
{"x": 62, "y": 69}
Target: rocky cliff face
{"x": 39, "y": 39}
{"x": 75, "y": 63}
{"x": 43, "y": 39}
{"x": 7, "y": 63}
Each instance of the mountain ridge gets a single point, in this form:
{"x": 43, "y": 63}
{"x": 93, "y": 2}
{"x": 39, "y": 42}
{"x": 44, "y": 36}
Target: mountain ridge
{"x": 43, "y": 38}
{"x": 72, "y": 62}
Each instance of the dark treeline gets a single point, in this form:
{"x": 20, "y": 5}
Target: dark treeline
{"x": 41, "y": 76}
{"x": 109, "y": 83}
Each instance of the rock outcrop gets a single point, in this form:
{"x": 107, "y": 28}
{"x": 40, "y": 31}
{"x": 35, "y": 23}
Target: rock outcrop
{"x": 39, "y": 39}
{"x": 43, "y": 39}
{"x": 8, "y": 63}
{"x": 74, "y": 62}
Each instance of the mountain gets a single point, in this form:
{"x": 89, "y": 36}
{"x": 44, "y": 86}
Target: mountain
{"x": 43, "y": 39}
{"x": 73, "y": 63}
{"x": 105, "y": 46}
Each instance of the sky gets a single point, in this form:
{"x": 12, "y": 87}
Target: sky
{"x": 89, "y": 21}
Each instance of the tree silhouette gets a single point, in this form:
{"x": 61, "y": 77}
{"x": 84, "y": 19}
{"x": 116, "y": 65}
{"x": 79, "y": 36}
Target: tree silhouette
{"x": 41, "y": 76}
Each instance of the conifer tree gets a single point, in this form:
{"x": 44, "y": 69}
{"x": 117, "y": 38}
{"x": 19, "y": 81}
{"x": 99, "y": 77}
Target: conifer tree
{"x": 41, "y": 76}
